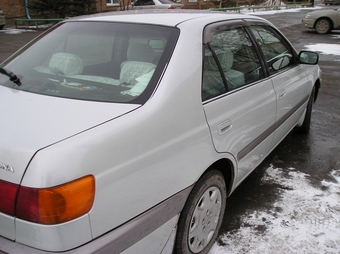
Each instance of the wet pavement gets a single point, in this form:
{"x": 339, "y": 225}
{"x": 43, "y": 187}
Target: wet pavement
{"x": 315, "y": 154}
{"x": 13, "y": 39}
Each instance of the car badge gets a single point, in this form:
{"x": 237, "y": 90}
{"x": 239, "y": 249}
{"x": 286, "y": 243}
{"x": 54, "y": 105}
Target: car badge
{"x": 6, "y": 167}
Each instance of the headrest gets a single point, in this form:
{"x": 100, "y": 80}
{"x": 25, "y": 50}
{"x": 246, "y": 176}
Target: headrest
{"x": 130, "y": 70}
{"x": 66, "y": 63}
{"x": 140, "y": 52}
{"x": 225, "y": 57}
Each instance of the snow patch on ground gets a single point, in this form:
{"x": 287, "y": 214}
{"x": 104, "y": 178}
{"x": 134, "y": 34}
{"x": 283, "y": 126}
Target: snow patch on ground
{"x": 324, "y": 48}
{"x": 305, "y": 219}
{"x": 15, "y": 31}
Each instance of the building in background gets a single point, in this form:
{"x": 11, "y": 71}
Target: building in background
{"x": 13, "y": 8}
{"x": 17, "y": 8}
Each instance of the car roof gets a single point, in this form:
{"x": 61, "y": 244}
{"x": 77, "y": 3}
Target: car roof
{"x": 162, "y": 17}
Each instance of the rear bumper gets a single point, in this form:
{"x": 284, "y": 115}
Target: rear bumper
{"x": 162, "y": 215}
{"x": 158, "y": 242}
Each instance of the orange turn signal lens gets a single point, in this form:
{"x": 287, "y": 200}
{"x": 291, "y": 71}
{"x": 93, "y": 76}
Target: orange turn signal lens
{"x": 58, "y": 204}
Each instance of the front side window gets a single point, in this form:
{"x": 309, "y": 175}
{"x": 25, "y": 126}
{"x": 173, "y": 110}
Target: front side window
{"x": 97, "y": 61}
{"x": 277, "y": 53}
{"x": 230, "y": 61}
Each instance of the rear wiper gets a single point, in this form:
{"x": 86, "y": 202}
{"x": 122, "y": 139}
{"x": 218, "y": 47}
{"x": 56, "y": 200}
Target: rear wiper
{"x": 11, "y": 75}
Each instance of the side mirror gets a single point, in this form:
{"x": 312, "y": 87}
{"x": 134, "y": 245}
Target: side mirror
{"x": 308, "y": 57}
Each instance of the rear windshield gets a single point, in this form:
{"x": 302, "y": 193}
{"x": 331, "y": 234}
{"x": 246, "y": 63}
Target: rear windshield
{"x": 97, "y": 61}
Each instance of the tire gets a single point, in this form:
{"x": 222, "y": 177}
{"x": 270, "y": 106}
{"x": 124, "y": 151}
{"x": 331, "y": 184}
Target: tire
{"x": 305, "y": 127}
{"x": 322, "y": 26}
{"x": 202, "y": 215}
{"x": 1, "y": 27}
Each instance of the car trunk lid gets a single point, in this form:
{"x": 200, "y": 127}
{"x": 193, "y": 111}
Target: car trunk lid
{"x": 31, "y": 122}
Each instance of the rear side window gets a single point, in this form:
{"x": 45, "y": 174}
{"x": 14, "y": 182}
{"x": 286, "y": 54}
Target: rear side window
{"x": 96, "y": 61}
{"x": 230, "y": 61}
{"x": 277, "y": 53}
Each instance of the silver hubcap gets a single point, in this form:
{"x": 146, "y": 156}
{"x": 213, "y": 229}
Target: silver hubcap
{"x": 204, "y": 220}
{"x": 322, "y": 26}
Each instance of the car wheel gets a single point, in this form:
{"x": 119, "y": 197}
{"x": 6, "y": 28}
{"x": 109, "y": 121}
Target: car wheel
{"x": 322, "y": 26}
{"x": 1, "y": 27}
{"x": 202, "y": 215}
{"x": 305, "y": 127}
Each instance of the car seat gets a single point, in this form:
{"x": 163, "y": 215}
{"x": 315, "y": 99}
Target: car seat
{"x": 212, "y": 80}
{"x": 66, "y": 64}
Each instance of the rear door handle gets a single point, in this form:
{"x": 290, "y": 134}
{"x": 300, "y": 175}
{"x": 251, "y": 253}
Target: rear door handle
{"x": 224, "y": 127}
{"x": 282, "y": 94}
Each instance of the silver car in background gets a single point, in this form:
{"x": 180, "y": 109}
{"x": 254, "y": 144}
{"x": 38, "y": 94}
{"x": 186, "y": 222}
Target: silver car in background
{"x": 2, "y": 19}
{"x": 156, "y": 4}
{"x": 323, "y": 21}
{"x": 331, "y": 2}
{"x": 126, "y": 132}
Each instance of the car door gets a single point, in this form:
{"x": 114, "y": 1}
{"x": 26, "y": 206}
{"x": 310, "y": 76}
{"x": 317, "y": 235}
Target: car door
{"x": 239, "y": 102}
{"x": 288, "y": 77}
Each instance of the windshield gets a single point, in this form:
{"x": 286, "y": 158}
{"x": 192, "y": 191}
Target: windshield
{"x": 97, "y": 61}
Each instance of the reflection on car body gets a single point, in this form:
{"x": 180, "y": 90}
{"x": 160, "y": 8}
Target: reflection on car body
{"x": 129, "y": 130}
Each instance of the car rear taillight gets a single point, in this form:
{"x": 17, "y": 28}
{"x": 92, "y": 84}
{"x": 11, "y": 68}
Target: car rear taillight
{"x": 51, "y": 205}
{"x": 8, "y": 193}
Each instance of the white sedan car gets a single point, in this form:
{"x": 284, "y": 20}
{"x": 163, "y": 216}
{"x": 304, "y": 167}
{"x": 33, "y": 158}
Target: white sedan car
{"x": 126, "y": 132}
